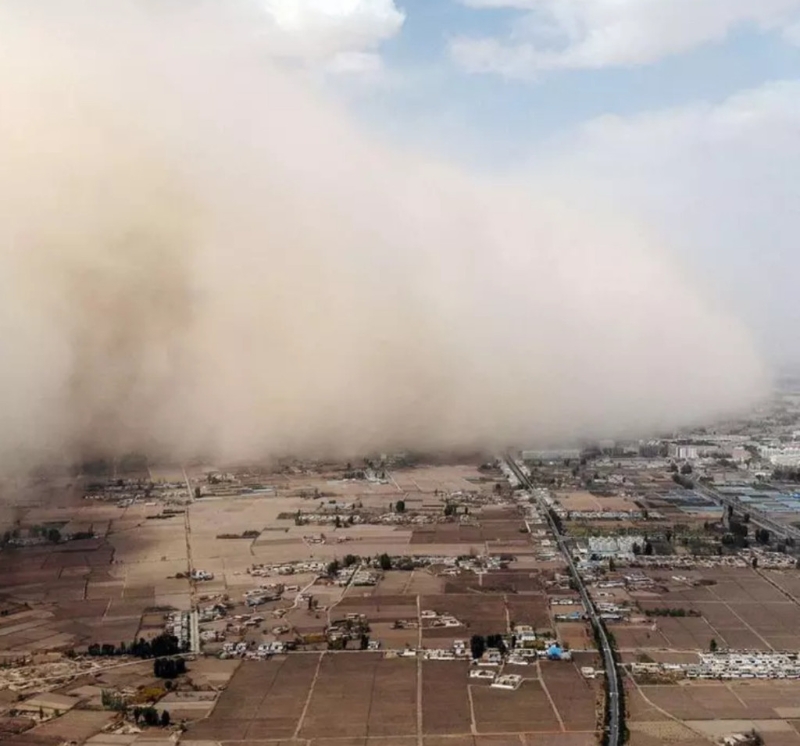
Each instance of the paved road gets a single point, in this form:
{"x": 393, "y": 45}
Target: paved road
{"x": 612, "y": 679}
{"x": 194, "y": 617}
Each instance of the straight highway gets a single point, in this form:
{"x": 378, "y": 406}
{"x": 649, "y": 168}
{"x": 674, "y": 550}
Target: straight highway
{"x": 613, "y": 703}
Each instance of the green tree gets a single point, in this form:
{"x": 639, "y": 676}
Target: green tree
{"x": 385, "y": 561}
{"x": 400, "y": 506}
{"x": 712, "y": 646}
{"x": 165, "y": 719}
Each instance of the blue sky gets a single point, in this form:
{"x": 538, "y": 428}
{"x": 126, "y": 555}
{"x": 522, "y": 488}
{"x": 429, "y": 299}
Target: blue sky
{"x": 501, "y": 117}
{"x": 682, "y": 116}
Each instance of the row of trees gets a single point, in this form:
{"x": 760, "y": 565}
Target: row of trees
{"x": 384, "y": 562}
{"x": 672, "y": 612}
{"x": 478, "y": 644}
{"x": 163, "y": 645}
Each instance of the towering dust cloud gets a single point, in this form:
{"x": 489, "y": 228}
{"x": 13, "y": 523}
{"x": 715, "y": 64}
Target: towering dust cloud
{"x": 200, "y": 253}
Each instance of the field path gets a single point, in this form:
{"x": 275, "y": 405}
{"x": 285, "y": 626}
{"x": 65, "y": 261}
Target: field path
{"x": 665, "y": 712}
{"x": 473, "y": 724}
{"x": 419, "y": 675}
{"x": 549, "y": 698}
{"x": 308, "y": 698}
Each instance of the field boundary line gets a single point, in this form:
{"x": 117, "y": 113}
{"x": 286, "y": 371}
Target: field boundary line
{"x": 549, "y": 698}
{"x": 667, "y": 713}
{"x": 375, "y": 663}
{"x": 733, "y": 692}
{"x": 419, "y": 674}
{"x": 308, "y": 698}
{"x": 473, "y": 724}
{"x": 730, "y": 608}
{"x": 777, "y": 587}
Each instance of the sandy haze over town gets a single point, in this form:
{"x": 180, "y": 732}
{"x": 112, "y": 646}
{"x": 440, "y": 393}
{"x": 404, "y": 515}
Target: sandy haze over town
{"x": 202, "y": 251}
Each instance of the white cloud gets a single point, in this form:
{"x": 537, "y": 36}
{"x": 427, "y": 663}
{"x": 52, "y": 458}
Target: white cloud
{"x": 719, "y": 182}
{"x": 341, "y": 36}
{"x": 586, "y": 34}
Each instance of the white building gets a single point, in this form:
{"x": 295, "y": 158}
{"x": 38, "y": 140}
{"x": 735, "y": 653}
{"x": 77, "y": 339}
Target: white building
{"x": 610, "y": 546}
{"x": 789, "y": 456}
{"x": 683, "y": 453}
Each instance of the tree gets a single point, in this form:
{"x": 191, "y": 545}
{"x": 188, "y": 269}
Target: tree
{"x": 686, "y": 469}
{"x": 165, "y": 719}
{"x": 712, "y": 646}
{"x": 637, "y": 550}
{"x": 612, "y": 566}
{"x": 477, "y": 646}
{"x": 449, "y": 509}
{"x": 648, "y": 548}
{"x": 338, "y": 522}
{"x": 53, "y": 535}
{"x": 350, "y": 559}
{"x": 400, "y": 506}
{"x": 150, "y": 715}
{"x": 385, "y": 561}
{"x": 333, "y": 568}
{"x": 197, "y": 492}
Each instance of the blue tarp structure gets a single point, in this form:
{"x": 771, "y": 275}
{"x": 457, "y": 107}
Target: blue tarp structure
{"x": 554, "y": 652}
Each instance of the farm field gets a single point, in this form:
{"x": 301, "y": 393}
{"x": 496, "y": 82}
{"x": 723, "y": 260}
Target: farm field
{"x": 358, "y": 696}
{"x": 739, "y": 608}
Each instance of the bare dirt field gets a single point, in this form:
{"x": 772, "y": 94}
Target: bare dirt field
{"x": 526, "y": 709}
{"x": 378, "y": 608}
{"x": 665, "y": 732}
{"x": 587, "y": 501}
{"x": 574, "y": 635}
{"x": 445, "y": 702}
{"x": 742, "y": 608}
{"x": 573, "y": 696}
{"x": 454, "y": 533}
{"x": 362, "y": 695}
{"x": 483, "y": 615}
{"x": 637, "y": 636}
{"x": 262, "y": 697}
{"x": 640, "y": 708}
{"x": 75, "y": 725}
{"x": 532, "y": 610}
{"x": 759, "y": 700}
